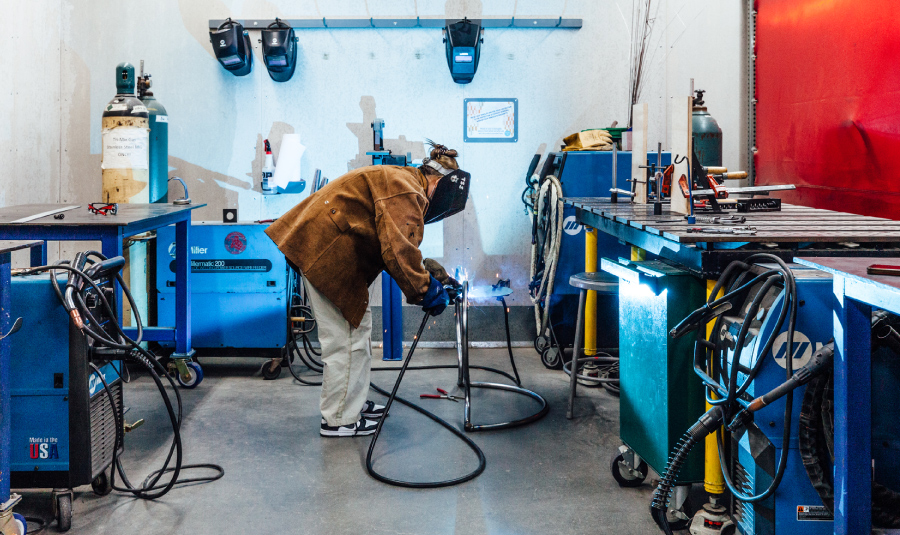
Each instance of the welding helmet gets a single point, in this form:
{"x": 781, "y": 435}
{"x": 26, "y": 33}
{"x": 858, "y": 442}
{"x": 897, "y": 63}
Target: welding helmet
{"x": 462, "y": 43}
{"x": 231, "y": 44}
{"x": 279, "y": 50}
{"x": 450, "y": 194}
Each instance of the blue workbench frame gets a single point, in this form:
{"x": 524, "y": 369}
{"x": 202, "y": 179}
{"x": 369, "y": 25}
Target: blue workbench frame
{"x": 5, "y": 325}
{"x": 854, "y": 298}
{"x": 111, "y": 238}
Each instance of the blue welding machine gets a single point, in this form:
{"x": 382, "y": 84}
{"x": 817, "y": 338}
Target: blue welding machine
{"x": 239, "y": 284}
{"x": 63, "y": 429}
{"x": 795, "y": 507}
{"x": 587, "y": 174}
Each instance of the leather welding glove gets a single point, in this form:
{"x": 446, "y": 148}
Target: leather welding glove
{"x": 436, "y": 299}
{"x": 437, "y": 271}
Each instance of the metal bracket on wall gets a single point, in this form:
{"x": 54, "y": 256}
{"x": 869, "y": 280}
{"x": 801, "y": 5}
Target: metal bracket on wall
{"x": 418, "y": 22}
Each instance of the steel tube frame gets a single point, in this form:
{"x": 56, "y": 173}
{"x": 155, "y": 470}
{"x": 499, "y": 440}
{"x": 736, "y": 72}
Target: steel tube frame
{"x": 462, "y": 351}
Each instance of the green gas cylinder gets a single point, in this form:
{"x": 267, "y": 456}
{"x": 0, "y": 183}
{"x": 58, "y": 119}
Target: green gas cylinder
{"x": 707, "y": 136}
{"x": 159, "y": 140}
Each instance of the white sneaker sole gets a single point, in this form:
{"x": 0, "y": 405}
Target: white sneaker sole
{"x": 345, "y": 433}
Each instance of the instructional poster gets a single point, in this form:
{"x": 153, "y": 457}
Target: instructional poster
{"x": 491, "y": 120}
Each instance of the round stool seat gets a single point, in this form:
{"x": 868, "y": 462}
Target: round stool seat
{"x": 597, "y": 281}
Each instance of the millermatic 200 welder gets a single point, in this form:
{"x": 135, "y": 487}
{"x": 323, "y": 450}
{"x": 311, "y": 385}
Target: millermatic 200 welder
{"x": 63, "y": 427}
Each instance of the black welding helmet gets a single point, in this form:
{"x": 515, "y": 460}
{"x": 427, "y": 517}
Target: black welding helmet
{"x": 279, "y": 50}
{"x": 450, "y": 194}
{"x": 231, "y": 44}
{"x": 462, "y": 41}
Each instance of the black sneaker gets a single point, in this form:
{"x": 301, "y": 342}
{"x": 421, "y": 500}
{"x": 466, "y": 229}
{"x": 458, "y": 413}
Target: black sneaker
{"x": 360, "y": 428}
{"x": 371, "y": 410}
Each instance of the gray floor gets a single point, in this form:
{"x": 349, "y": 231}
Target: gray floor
{"x": 281, "y": 477}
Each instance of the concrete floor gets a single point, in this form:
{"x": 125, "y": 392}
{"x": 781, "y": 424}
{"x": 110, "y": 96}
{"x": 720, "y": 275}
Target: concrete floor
{"x": 281, "y": 477}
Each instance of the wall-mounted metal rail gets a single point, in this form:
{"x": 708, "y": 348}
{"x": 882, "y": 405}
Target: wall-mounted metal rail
{"x": 327, "y": 23}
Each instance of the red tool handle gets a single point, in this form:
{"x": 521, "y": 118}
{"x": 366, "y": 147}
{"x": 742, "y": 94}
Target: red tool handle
{"x": 442, "y": 391}
{"x": 435, "y": 396}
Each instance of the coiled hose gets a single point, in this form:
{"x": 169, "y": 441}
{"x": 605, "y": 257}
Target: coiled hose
{"x": 545, "y": 254}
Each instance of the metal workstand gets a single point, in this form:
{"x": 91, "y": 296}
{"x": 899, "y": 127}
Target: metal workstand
{"x": 856, "y": 293}
{"x": 79, "y": 224}
{"x": 7, "y": 502}
{"x": 794, "y": 231}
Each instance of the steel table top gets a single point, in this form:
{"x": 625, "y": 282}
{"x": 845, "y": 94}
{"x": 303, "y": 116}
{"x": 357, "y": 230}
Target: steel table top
{"x": 794, "y": 231}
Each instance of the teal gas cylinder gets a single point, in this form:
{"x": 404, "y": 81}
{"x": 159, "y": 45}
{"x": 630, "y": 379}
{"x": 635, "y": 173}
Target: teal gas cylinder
{"x": 159, "y": 140}
{"x": 707, "y": 136}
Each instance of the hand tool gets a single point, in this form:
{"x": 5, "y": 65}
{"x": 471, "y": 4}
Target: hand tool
{"x": 42, "y": 214}
{"x": 724, "y": 230}
{"x": 721, "y": 219}
{"x": 444, "y": 395}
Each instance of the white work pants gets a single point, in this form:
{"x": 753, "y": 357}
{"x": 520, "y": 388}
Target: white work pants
{"x": 347, "y": 355}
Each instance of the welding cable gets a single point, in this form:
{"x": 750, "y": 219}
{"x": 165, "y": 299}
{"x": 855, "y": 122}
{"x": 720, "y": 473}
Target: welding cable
{"x": 545, "y": 254}
{"x": 482, "y": 462}
{"x": 711, "y": 361}
{"x": 134, "y": 351}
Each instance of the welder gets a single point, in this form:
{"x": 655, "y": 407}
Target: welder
{"x": 339, "y": 239}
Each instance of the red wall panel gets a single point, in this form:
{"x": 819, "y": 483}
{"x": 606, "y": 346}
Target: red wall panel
{"x": 828, "y": 111}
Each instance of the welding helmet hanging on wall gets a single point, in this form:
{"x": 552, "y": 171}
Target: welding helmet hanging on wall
{"x": 462, "y": 41}
{"x": 279, "y": 50}
{"x": 231, "y": 44}
{"x": 450, "y": 194}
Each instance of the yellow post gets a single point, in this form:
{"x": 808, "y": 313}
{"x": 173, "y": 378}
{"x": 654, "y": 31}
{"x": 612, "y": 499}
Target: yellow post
{"x": 713, "y": 481}
{"x": 638, "y": 254}
{"x": 590, "y": 303}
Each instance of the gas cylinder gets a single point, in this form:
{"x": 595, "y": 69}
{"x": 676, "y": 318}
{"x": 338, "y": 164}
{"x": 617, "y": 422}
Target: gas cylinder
{"x": 126, "y": 157}
{"x": 126, "y": 171}
{"x": 159, "y": 139}
{"x": 707, "y": 136}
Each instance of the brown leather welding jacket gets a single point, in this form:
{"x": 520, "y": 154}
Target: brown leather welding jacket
{"x": 342, "y": 236}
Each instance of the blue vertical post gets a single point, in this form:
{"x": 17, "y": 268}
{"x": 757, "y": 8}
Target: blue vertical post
{"x": 391, "y": 318}
{"x": 39, "y": 255}
{"x": 182, "y": 290}
{"x": 111, "y": 246}
{"x": 5, "y": 324}
{"x": 852, "y": 399}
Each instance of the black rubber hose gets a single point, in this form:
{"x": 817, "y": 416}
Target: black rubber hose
{"x": 391, "y": 397}
{"x": 147, "y": 360}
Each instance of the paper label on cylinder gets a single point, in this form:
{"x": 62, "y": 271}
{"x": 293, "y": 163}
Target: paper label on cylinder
{"x": 126, "y": 148}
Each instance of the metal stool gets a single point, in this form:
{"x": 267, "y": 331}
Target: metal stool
{"x": 602, "y": 283}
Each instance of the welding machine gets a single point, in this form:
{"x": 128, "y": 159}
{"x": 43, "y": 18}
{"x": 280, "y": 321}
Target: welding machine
{"x": 585, "y": 174}
{"x": 770, "y": 342}
{"x": 239, "y": 283}
{"x": 63, "y": 428}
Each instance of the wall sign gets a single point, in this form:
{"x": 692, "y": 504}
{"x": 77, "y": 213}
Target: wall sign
{"x": 491, "y": 120}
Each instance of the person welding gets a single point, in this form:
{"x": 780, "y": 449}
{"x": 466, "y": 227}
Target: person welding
{"x": 339, "y": 239}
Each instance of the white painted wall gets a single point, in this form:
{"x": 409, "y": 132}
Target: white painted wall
{"x": 60, "y": 75}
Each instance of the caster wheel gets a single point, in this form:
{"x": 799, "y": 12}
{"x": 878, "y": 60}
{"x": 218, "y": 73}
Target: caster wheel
{"x": 21, "y": 523}
{"x": 625, "y": 477}
{"x": 101, "y": 485}
{"x": 268, "y": 373}
{"x": 541, "y": 343}
{"x": 64, "y": 512}
{"x": 195, "y": 376}
{"x": 550, "y": 358}
{"x": 681, "y": 518}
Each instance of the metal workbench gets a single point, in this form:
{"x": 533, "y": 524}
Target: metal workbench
{"x": 856, "y": 293}
{"x": 79, "y": 224}
{"x": 794, "y": 231}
